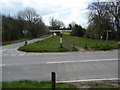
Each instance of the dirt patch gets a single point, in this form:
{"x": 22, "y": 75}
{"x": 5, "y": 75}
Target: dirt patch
{"x": 83, "y": 49}
{"x": 88, "y": 84}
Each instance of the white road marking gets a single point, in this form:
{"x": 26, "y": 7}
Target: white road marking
{"x": 2, "y": 65}
{"x": 13, "y": 54}
{"x": 82, "y": 61}
{"x": 21, "y": 54}
{"x": 86, "y": 80}
{"x": 4, "y": 49}
{"x": 4, "y": 54}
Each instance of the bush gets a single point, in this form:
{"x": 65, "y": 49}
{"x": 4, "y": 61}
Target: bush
{"x": 77, "y": 31}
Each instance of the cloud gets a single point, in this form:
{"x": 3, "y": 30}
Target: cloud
{"x": 64, "y": 10}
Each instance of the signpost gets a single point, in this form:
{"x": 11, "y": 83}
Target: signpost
{"x": 25, "y": 34}
{"x": 60, "y": 33}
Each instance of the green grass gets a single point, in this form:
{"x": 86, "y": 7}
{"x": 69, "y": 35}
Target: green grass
{"x": 34, "y": 84}
{"x": 89, "y": 43}
{"x": 48, "y": 85}
{"x": 70, "y": 43}
{"x": 47, "y": 45}
{"x": 100, "y": 85}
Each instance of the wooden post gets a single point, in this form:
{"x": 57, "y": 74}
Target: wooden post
{"x": 53, "y": 80}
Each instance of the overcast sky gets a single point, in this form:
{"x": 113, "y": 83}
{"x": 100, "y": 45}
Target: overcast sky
{"x": 64, "y": 10}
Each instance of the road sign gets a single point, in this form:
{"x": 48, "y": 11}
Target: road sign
{"x": 25, "y": 32}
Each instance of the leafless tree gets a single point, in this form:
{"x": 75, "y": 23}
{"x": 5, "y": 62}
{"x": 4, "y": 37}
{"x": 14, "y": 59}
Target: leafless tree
{"x": 114, "y": 9}
{"x": 106, "y": 15}
{"x": 36, "y": 25}
{"x": 28, "y": 14}
{"x": 56, "y": 24}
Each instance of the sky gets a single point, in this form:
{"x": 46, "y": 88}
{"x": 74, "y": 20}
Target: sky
{"x": 66, "y": 11}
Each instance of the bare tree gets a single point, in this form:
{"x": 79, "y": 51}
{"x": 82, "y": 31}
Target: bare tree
{"x": 114, "y": 9}
{"x": 103, "y": 16}
{"x": 36, "y": 25}
{"x": 28, "y": 14}
{"x": 56, "y": 24}
{"x": 96, "y": 19}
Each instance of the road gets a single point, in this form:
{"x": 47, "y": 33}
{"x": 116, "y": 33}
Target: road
{"x": 11, "y": 50}
{"x": 69, "y": 66}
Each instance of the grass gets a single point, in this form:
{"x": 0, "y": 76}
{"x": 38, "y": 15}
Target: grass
{"x": 70, "y": 43}
{"x": 89, "y": 43}
{"x": 48, "y": 85}
{"x": 34, "y": 84}
{"x": 47, "y": 45}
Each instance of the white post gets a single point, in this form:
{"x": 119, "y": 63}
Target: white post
{"x": 61, "y": 39}
{"x": 107, "y": 38}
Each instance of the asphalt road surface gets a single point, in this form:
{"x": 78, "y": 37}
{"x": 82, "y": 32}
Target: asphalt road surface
{"x": 69, "y": 67}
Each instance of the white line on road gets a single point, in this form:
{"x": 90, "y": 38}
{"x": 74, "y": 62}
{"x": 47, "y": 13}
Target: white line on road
{"x": 21, "y": 54}
{"x": 2, "y": 65}
{"x": 86, "y": 80}
{"x": 82, "y": 61}
{"x": 13, "y": 54}
{"x": 70, "y": 61}
{"x": 3, "y": 49}
{"x": 4, "y": 54}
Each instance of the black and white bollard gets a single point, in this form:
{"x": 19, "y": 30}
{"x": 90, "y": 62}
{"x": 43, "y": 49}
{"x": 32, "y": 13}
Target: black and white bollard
{"x": 61, "y": 40}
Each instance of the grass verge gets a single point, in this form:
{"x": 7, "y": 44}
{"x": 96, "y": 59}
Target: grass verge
{"x": 35, "y": 84}
{"x": 47, "y": 85}
{"x": 70, "y": 43}
{"x": 87, "y": 43}
{"x": 47, "y": 45}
